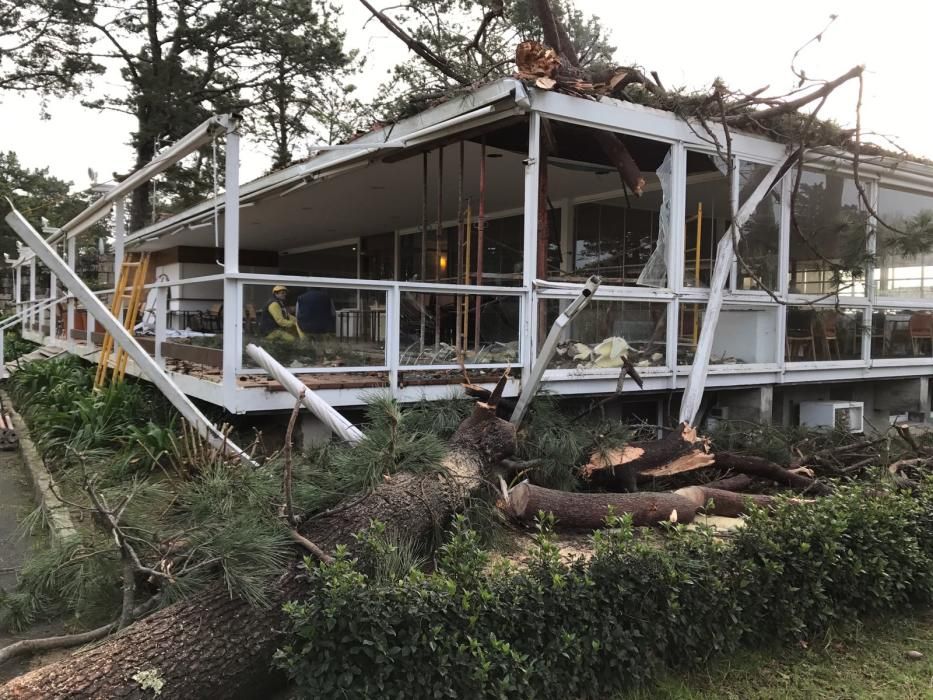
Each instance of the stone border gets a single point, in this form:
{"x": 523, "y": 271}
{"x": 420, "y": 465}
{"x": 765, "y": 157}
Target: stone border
{"x": 59, "y": 517}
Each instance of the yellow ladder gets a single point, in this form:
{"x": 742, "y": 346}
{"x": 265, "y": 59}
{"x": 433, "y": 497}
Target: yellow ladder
{"x": 136, "y": 265}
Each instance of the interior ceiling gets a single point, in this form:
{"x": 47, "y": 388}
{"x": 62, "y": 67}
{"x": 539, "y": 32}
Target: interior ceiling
{"x": 384, "y": 196}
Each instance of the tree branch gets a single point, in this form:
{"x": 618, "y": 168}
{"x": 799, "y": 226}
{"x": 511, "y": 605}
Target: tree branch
{"x": 418, "y": 47}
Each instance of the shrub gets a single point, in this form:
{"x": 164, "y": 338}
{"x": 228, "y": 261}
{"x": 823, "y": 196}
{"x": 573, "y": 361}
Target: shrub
{"x": 637, "y": 607}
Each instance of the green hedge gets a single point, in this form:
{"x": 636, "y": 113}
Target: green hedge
{"x": 641, "y": 605}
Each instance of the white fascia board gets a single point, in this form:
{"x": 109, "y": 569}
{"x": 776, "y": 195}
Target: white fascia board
{"x": 638, "y": 120}
{"x": 375, "y": 140}
{"x": 890, "y": 171}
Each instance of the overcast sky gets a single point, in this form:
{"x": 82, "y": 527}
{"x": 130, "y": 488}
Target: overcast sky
{"x": 747, "y": 44}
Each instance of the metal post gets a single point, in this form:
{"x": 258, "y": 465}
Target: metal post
{"x": 161, "y": 312}
{"x": 53, "y": 308}
{"x": 71, "y": 247}
{"x": 30, "y": 317}
{"x": 233, "y": 311}
{"x": 393, "y": 332}
{"x": 122, "y": 336}
{"x": 530, "y": 245}
{"x": 119, "y": 236}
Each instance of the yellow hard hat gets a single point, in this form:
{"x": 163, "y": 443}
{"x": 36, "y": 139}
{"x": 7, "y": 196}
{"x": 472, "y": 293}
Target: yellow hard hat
{"x": 279, "y": 288}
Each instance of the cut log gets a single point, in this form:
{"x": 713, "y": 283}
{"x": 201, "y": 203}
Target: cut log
{"x": 719, "y": 502}
{"x": 588, "y": 511}
{"x": 756, "y": 466}
{"x": 212, "y": 645}
{"x": 678, "y": 452}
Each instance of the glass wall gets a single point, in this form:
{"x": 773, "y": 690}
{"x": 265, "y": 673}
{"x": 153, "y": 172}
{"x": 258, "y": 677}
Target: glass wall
{"x": 745, "y": 334}
{"x": 905, "y": 266}
{"x": 827, "y": 237}
{"x": 439, "y": 329}
{"x": 901, "y": 333}
{"x": 319, "y": 327}
{"x": 758, "y": 249}
{"x": 822, "y": 334}
{"x": 608, "y": 329}
{"x": 708, "y": 215}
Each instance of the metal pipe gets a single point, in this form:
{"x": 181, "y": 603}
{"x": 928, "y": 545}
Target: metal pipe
{"x": 530, "y": 387}
{"x": 326, "y": 413}
{"x": 96, "y": 307}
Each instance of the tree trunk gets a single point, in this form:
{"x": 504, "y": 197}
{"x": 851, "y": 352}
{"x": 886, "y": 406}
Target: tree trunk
{"x": 588, "y": 511}
{"x": 756, "y": 466}
{"x": 719, "y": 502}
{"x": 212, "y": 645}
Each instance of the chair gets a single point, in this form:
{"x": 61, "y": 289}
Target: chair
{"x": 210, "y": 320}
{"x": 801, "y": 340}
{"x": 920, "y": 329}
{"x": 251, "y": 319}
{"x": 827, "y": 324}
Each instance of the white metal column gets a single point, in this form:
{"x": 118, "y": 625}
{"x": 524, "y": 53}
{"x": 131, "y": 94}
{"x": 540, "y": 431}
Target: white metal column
{"x": 30, "y": 317}
{"x": 529, "y": 330}
{"x": 119, "y": 236}
{"x": 233, "y": 310}
{"x": 161, "y": 312}
{"x": 72, "y": 251}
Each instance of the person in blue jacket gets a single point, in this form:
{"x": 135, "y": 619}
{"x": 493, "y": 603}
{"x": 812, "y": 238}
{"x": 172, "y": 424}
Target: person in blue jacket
{"x": 315, "y": 313}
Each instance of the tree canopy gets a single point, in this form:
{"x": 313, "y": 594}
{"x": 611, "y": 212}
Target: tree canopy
{"x": 177, "y": 62}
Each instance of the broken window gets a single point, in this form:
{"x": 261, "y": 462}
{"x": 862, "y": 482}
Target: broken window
{"x": 745, "y": 334}
{"x": 905, "y": 262}
{"x": 708, "y": 215}
{"x": 828, "y": 234}
{"x": 610, "y": 229}
{"x": 606, "y": 330}
{"x": 438, "y": 329}
{"x": 823, "y": 333}
{"x": 761, "y": 235}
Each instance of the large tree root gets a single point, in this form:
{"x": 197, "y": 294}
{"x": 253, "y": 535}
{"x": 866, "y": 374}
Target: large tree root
{"x": 212, "y": 645}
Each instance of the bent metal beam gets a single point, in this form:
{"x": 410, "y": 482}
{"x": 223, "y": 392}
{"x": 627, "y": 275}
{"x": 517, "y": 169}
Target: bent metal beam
{"x": 121, "y": 335}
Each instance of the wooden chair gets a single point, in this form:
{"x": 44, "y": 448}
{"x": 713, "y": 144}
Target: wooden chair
{"x": 920, "y": 329}
{"x": 827, "y": 324}
{"x": 801, "y": 340}
{"x": 251, "y": 319}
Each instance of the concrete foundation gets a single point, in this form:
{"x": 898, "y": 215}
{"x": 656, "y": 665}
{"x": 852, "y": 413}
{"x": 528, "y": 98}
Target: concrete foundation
{"x": 755, "y": 405}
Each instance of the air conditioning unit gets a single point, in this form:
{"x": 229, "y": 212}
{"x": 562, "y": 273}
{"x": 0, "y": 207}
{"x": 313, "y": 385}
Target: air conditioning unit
{"x": 841, "y": 415}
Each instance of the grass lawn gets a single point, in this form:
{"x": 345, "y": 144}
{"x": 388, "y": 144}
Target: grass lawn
{"x": 866, "y": 661}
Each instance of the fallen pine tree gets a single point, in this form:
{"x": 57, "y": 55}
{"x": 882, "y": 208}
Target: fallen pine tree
{"x": 213, "y": 644}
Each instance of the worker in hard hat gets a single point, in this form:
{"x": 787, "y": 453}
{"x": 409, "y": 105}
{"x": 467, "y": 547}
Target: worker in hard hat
{"x": 276, "y": 322}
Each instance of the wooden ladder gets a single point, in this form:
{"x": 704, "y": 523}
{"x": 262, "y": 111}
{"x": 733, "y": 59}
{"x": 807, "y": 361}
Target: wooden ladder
{"x": 137, "y": 265}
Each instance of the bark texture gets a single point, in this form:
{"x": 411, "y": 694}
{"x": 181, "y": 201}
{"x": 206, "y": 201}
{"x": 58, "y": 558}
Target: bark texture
{"x": 212, "y": 645}
{"x": 588, "y": 511}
